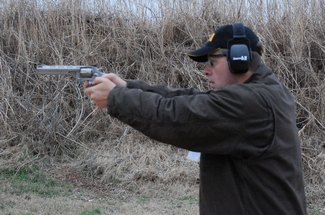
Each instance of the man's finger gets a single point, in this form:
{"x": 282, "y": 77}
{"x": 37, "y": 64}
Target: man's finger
{"x": 100, "y": 80}
{"x": 88, "y": 91}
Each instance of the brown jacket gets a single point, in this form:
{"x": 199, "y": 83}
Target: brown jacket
{"x": 251, "y": 158}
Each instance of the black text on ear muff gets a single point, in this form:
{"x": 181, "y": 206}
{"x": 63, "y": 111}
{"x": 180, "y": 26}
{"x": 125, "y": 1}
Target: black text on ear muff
{"x": 239, "y": 53}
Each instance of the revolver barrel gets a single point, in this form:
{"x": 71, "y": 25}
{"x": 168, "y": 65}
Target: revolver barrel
{"x": 82, "y": 73}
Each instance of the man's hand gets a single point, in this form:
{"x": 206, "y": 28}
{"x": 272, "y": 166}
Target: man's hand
{"x": 115, "y": 79}
{"x": 100, "y": 89}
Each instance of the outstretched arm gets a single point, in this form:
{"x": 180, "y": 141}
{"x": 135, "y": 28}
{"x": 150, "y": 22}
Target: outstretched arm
{"x": 164, "y": 91}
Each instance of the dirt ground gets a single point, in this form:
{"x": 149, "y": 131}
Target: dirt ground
{"x": 72, "y": 194}
{"x": 84, "y": 201}
{"x": 66, "y": 190}
{"x": 90, "y": 198}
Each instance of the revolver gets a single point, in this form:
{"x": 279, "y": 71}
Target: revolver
{"x": 82, "y": 73}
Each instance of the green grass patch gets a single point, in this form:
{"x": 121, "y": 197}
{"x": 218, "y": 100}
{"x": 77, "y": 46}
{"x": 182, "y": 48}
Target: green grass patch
{"x": 185, "y": 200}
{"x": 189, "y": 199}
{"x": 143, "y": 199}
{"x": 316, "y": 212}
{"x": 93, "y": 212}
{"x": 28, "y": 213}
{"x": 32, "y": 180}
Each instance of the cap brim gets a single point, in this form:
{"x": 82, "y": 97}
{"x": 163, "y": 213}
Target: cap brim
{"x": 201, "y": 54}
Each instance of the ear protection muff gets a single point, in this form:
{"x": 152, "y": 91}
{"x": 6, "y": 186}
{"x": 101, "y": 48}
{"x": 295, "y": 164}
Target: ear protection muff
{"x": 239, "y": 51}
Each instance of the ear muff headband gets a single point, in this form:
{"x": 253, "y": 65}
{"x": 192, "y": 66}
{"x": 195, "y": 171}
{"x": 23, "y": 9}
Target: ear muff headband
{"x": 239, "y": 52}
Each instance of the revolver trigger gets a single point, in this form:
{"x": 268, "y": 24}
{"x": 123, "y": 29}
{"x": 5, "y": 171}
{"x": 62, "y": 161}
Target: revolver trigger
{"x": 88, "y": 84}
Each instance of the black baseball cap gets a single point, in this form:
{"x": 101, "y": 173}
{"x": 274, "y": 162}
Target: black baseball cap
{"x": 219, "y": 40}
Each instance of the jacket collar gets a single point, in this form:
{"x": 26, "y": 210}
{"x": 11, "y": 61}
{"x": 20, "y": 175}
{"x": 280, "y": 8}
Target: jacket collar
{"x": 262, "y": 72}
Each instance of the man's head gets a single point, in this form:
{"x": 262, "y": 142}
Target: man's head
{"x": 230, "y": 49}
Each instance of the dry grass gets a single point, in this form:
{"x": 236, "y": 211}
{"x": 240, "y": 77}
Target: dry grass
{"x": 49, "y": 119}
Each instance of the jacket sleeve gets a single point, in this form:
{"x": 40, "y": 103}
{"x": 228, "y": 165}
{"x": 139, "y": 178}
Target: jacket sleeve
{"x": 164, "y": 91}
{"x": 212, "y": 122}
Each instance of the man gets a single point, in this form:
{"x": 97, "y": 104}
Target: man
{"x": 244, "y": 126}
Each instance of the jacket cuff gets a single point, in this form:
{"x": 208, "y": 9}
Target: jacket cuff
{"x": 136, "y": 84}
{"x": 112, "y": 96}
